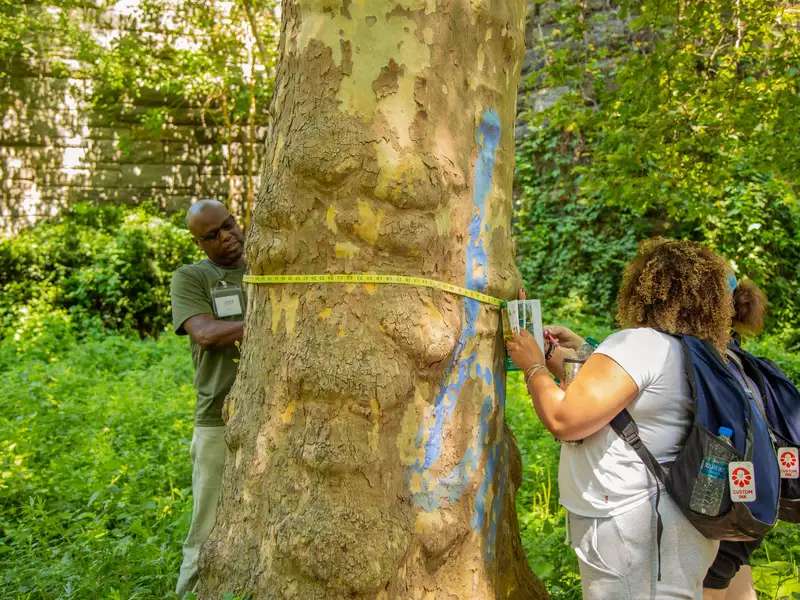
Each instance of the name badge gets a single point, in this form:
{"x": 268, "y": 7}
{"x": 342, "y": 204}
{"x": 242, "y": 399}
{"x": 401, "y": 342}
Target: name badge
{"x": 227, "y": 300}
{"x": 789, "y": 463}
{"x": 742, "y": 481}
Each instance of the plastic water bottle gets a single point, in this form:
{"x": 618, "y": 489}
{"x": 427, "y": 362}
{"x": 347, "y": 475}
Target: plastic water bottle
{"x": 709, "y": 487}
{"x": 586, "y": 349}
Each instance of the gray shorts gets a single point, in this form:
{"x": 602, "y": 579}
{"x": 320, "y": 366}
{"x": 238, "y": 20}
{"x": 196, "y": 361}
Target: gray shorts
{"x": 618, "y": 556}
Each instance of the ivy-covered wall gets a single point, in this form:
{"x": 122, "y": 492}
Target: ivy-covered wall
{"x": 640, "y": 118}
{"x": 75, "y": 129}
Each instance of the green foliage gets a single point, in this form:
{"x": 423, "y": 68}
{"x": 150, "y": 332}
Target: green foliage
{"x": 192, "y": 62}
{"x": 28, "y": 31}
{"x": 211, "y": 56}
{"x": 569, "y": 251}
{"x": 688, "y": 130}
{"x": 106, "y": 265}
{"x": 94, "y": 465}
{"x": 776, "y": 563}
{"x": 541, "y": 518}
{"x": 15, "y": 24}
{"x": 783, "y": 349}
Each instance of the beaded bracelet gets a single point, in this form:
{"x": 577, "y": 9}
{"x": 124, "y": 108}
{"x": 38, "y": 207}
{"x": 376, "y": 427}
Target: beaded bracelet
{"x": 532, "y": 370}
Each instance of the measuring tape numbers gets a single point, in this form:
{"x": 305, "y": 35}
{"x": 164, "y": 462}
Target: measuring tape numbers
{"x": 380, "y": 279}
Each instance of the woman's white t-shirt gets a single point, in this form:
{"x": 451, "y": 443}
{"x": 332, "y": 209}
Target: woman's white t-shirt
{"x": 603, "y": 476}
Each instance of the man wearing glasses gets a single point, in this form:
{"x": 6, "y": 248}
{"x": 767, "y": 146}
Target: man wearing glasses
{"x": 208, "y": 304}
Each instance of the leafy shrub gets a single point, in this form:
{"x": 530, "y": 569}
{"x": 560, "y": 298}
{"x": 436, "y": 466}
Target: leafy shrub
{"x": 94, "y": 463}
{"x": 105, "y": 265}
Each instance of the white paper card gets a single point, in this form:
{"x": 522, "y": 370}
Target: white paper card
{"x": 228, "y": 306}
{"x": 533, "y": 309}
{"x": 789, "y": 463}
{"x": 742, "y": 481}
{"x": 513, "y": 316}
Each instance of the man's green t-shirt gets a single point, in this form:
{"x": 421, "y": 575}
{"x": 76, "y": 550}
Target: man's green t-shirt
{"x": 214, "y": 370}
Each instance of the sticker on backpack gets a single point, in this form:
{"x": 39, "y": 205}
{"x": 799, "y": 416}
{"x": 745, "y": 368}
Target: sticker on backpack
{"x": 742, "y": 482}
{"x": 789, "y": 463}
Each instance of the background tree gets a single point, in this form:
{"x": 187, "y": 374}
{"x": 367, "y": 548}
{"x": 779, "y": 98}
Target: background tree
{"x": 368, "y": 455}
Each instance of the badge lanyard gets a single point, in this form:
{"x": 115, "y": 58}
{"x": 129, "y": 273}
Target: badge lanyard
{"x": 226, "y": 299}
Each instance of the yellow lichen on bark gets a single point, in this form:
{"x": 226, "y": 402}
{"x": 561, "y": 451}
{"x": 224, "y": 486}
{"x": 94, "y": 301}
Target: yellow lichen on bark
{"x": 284, "y": 305}
{"x": 369, "y": 222}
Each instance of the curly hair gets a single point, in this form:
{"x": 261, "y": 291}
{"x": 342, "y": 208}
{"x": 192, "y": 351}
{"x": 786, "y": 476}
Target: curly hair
{"x": 750, "y": 306}
{"x": 677, "y": 286}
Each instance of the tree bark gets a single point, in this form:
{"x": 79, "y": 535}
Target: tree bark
{"x": 368, "y": 454}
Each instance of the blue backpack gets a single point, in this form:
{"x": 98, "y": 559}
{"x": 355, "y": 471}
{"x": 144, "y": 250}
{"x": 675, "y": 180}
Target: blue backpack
{"x": 782, "y": 407}
{"x": 719, "y": 400}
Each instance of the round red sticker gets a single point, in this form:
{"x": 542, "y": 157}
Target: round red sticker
{"x": 741, "y": 477}
{"x": 788, "y": 460}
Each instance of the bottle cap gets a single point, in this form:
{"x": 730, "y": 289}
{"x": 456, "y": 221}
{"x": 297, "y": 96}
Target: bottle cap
{"x": 726, "y": 431}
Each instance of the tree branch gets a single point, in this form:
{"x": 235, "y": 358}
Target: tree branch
{"x": 251, "y": 19}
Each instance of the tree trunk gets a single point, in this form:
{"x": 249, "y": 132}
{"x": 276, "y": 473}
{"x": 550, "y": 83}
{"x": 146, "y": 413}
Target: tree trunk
{"x": 368, "y": 455}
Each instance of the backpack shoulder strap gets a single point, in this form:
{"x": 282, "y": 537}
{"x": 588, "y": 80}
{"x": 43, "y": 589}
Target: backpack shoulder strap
{"x": 626, "y": 428}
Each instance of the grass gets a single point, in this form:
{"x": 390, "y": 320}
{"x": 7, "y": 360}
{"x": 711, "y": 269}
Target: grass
{"x": 95, "y": 473}
{"x": 94, "y": 470}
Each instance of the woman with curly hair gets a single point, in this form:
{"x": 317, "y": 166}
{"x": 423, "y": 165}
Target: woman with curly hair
{"x": 670, "y": 287}
{"x": 730, "y": 577}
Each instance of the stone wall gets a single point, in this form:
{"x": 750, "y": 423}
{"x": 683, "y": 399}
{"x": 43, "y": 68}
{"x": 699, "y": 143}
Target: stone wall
{"x": 56, "y": 150}
{"x": 605, "y": 30}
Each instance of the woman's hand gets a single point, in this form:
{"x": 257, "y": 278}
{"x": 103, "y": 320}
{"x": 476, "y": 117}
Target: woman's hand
{"x": 524, "y": 351}
{"x": 566, "y": 337}
{"x": 556, "y": 363}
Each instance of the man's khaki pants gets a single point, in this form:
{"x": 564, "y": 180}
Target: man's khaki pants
{"x": 208, "y": 460}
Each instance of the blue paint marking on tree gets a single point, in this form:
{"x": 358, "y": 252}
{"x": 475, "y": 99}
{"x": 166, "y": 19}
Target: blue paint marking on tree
{"x": 496, "y": 461}
{"x": 451, "y": 486}
{"x": 459, "y": 370}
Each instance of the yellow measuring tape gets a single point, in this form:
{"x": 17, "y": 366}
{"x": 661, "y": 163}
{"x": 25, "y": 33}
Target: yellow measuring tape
{"x": 371, "y": 278}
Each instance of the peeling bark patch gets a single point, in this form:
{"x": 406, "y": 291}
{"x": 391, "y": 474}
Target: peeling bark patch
{"x": 429, "y": 492}
{"x": 346, "y": 250}
{"x": 284, "y": 304}
{"x": 387, "y": 81}
{"x": 377, "y": 34}
{"x": 330, "y": 219}
{"x": 369, "y": 222}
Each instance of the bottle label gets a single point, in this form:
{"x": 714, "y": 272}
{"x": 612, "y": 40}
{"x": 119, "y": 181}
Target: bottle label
{"x": 742, "y": 481}
{"x": 789, "y": 463}
{"x": 713, "y": 468}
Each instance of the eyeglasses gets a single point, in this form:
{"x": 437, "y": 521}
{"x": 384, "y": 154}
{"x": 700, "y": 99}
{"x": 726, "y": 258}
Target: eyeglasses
{"x": 227, "y": 225}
